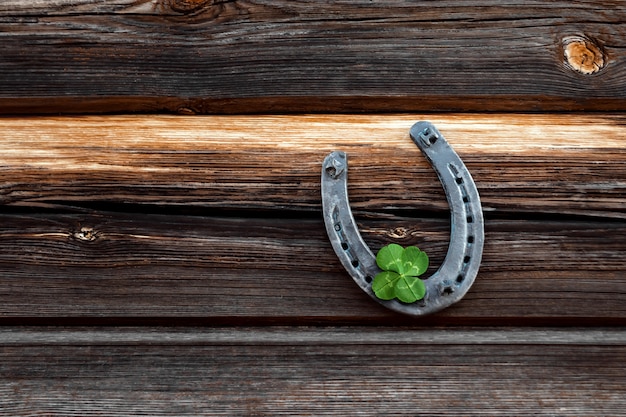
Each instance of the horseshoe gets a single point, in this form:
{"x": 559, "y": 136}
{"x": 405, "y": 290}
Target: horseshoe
{"x": 459, "y": 269}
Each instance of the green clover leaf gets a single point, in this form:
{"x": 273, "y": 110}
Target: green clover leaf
{"x": 410, "y": 289}
{"x": 400, "y": 269}
{"x": 384, "y": 285}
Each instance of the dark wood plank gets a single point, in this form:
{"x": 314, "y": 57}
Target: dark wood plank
{"x": 312, "y": 371}
{"x": 285, "y": 56}
{"x": 554, "y": 164}
{"x": 117, "y": 268}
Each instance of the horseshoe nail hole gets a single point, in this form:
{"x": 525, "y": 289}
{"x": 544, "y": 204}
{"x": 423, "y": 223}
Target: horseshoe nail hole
{"x": 466, "y": 199}
{"x": 460, "y": 279}
{"x": 460, "y": 181}
{"x": 470, "y": 239}
{"x": 447, "y": 291}
{"x": 466, "y": 259}
{"x": 331, "y": 171}
{"x": 470, "y": 219}
{"x": 344, "y": 246}
{"x": 337, "y": 227}
{"x": 368, "y": 279}
{"x": 428, "y": 136}
{"x": 355, "y": 263}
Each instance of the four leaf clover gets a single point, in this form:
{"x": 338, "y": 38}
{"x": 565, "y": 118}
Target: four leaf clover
{"x": 400, "y": 269}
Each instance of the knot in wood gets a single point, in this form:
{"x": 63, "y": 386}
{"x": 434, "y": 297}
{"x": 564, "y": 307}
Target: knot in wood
{"x": 188, "y": 6}
{"x": 86, "y": 234}
{"x": 399, "y": 233}
{"x": 583, "y": 54}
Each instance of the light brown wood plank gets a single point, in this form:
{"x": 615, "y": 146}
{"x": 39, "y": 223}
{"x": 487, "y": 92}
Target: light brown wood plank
{"x": 559, "y": 164}
{"x": 286, "y": 56}
{"x": 303, "y": 371}
{"x": 90, "y": 268}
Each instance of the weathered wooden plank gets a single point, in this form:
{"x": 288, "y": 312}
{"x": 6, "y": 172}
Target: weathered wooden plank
{"x": 559, "y": 164}
{"x": 312, "y": 371}
{"x": 138, "y": 267}
{"x": 286, "y": 56}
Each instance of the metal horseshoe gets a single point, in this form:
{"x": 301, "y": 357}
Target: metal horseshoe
{"x": 459, "y": 269}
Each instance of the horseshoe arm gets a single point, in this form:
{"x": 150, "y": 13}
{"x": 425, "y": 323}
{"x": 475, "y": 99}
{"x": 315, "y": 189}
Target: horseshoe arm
{"x": 459, "y": 269}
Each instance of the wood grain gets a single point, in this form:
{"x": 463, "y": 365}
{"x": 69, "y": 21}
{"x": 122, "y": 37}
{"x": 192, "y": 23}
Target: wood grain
{"x": 205, "y": 232}
{"x": 252, "y": 56}
{"x": 89, "y": 268}
{"x": 312, "y": 371}
{"x": 532, "y": 164}
{"x": 217, "y": 219}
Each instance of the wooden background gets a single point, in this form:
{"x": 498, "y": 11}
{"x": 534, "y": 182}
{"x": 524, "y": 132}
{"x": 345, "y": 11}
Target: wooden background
{"x": 162, "y": 246}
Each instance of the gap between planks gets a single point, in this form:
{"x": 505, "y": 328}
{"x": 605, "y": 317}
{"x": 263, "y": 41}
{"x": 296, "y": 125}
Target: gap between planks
{"x": 15, "y": 336}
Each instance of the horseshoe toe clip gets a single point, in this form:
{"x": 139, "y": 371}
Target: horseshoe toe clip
{"x": 460, "y": 266}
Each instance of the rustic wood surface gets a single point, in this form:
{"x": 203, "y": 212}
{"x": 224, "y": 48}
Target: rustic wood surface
{"x": 178, "y": 265}
{"x": 209, "y": 56}
{"x": 560, "y": 164}
{"x": 210, "y": 270}
{"x": 217, "y": 219}
{"x": 311, "y": 371}
{"x": 173, "y": 221}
